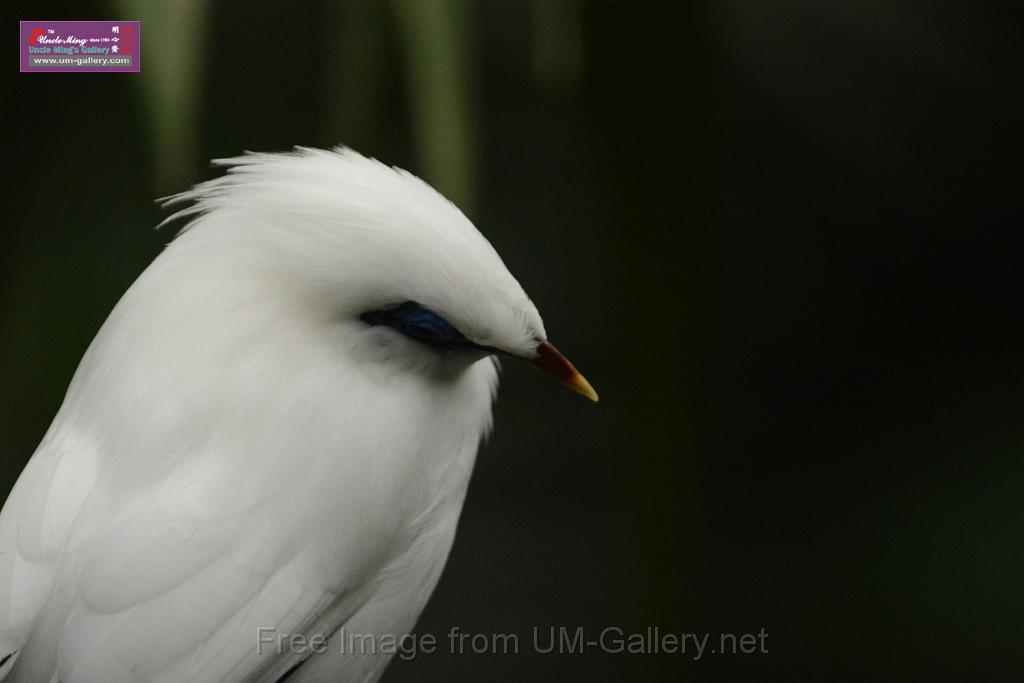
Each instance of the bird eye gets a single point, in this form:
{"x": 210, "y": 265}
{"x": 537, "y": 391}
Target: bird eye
{"x": 425, "y": 330}
{"x": 419, "y": 323}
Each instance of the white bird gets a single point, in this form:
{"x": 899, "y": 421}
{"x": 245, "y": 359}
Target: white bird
{"x": 271, "y": 436}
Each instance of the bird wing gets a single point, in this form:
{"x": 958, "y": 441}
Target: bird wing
{"x": 34, "y": 527}
{"x": 174, "y": 585}
{"x": 159, "y": 599}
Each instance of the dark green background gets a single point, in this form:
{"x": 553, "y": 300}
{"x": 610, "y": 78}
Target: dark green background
{"x": 780, "y": 238}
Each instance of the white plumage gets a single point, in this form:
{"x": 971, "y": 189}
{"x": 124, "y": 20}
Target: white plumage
{"x": 238, "y": 449}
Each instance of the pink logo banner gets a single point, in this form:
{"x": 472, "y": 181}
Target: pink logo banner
{"x": 91, "y": 46}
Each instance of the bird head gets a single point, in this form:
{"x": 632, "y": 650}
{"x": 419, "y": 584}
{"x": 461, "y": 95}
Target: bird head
{"x": 395, "y": 268}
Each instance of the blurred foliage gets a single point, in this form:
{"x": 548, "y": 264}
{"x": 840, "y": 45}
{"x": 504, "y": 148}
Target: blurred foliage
{"x": 558, "y": 58}
{"x": 174, "y": 57}
{"x": 441, "y": 60}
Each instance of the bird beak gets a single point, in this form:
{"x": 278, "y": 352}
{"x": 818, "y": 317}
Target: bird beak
{"x": 551, "y": 362}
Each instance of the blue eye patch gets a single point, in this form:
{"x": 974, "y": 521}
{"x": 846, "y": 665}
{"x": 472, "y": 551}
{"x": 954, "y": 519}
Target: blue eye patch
{"x": 419, "y": 323}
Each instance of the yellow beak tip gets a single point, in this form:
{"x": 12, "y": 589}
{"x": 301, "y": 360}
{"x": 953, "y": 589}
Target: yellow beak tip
{"x": 549, "y": 361}
{"x": 580, "y": 385}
